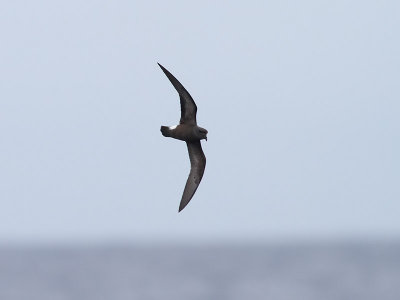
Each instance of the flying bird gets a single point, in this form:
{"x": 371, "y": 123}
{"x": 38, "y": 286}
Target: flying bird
{"x": 188, "y": 131}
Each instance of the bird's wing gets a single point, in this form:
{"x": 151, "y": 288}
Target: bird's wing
{"x": 188, "y": 107}
{"x": 197, "y": 166}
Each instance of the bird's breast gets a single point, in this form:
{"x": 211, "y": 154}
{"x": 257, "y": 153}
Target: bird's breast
{"x": 184, "y": 132}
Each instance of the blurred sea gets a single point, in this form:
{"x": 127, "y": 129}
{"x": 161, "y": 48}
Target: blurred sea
{"x": 296, "y": 271}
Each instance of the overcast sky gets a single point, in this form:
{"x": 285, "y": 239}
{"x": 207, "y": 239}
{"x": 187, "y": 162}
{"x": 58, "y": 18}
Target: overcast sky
{"x": 301, "y": 100}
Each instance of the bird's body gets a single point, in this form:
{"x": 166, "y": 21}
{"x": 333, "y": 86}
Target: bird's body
{"x": 183, "y": 132}
{"x": 188, "y": 131}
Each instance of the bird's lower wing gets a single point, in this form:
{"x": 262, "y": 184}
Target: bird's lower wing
{"x": 197, "y": 166}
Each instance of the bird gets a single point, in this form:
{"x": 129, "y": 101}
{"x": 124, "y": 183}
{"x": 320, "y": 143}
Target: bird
{"x": 188, "y": 131}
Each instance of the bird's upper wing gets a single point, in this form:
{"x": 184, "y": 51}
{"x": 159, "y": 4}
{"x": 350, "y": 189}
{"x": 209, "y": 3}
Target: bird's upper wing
{"x": 197, "y": 166}
{"x": 188, "y": 107}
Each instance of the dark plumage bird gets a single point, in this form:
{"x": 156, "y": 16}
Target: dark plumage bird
{"x": 188, "y": 131}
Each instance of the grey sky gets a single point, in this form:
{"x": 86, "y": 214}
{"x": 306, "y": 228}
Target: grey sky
{"x": 301, "y": 100}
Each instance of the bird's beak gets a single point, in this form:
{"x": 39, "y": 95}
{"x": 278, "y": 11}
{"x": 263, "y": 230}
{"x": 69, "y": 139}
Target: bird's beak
{"x": 206, "y": 139}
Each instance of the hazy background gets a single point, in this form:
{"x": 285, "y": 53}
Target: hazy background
{"x": 301, "y": 100}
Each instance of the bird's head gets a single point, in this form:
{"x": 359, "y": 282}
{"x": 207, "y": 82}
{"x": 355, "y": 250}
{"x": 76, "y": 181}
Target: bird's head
{"x": 202, "y": 133}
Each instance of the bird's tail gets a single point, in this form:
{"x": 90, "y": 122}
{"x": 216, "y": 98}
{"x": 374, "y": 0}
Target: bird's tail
{"x": 165, "y": 131}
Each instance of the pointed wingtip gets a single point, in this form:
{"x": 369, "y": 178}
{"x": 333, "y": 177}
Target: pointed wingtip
{"x": 181, "y": 207}
{"x": 161, "y": 66}
{"x": 166, "y": 72}
{"x": 175, "y": 82}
